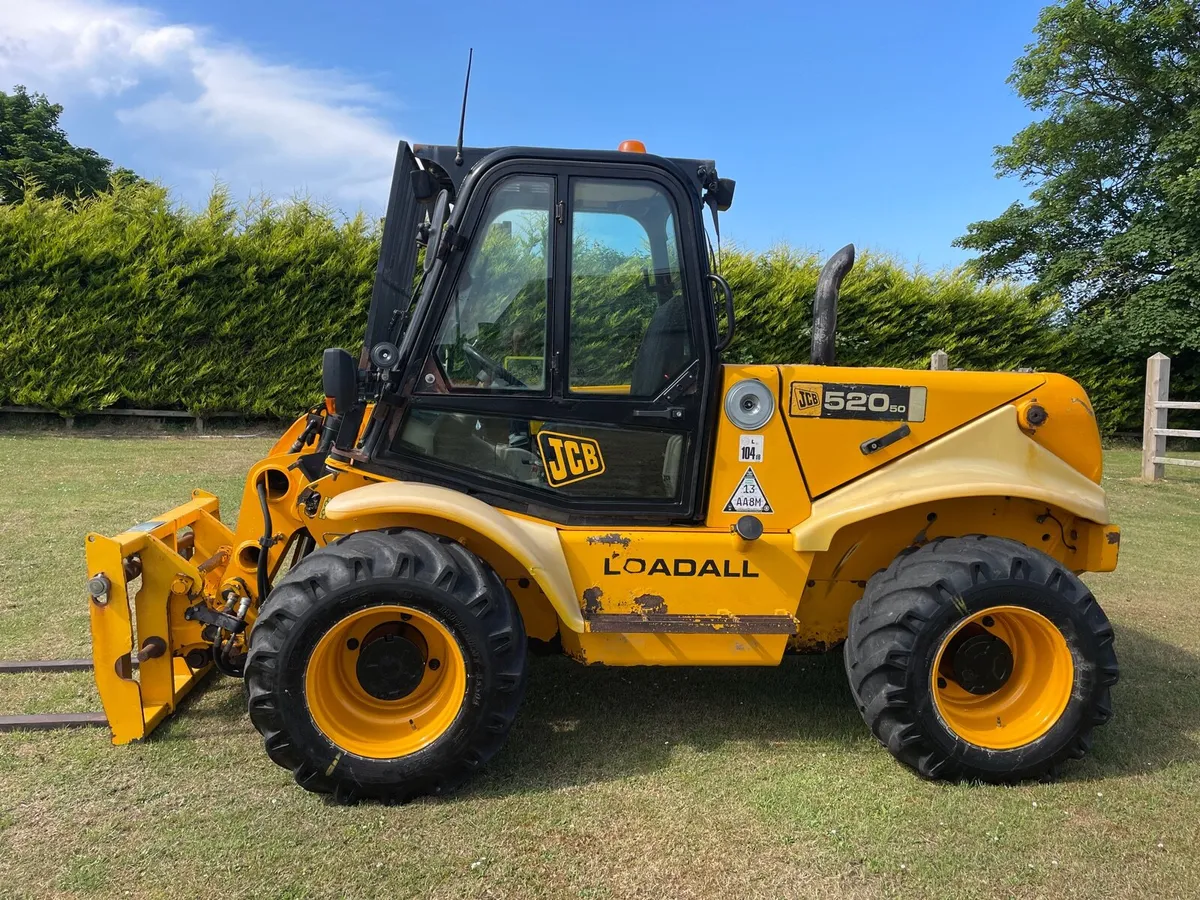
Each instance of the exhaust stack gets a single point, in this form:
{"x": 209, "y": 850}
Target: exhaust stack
{"x": 825, "y": 305}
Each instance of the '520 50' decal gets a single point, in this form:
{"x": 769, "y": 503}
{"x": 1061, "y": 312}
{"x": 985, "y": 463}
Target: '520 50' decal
{"x": 830, "y": 400}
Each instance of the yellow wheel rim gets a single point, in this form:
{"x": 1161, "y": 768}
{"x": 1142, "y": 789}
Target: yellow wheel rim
{"x": 366, "y": 704}
{"x": 1028, "y": 703}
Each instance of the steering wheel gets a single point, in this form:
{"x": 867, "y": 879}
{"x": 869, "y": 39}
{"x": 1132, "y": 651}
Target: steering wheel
{"x": 490, "y": 366}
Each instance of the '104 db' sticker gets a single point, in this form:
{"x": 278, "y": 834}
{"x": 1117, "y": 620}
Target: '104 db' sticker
{"x": 829, "y": 400}
{"x": 750, "y": 448}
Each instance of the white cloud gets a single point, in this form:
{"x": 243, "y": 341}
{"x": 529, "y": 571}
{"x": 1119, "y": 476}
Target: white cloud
{"x": 205, "y": 107}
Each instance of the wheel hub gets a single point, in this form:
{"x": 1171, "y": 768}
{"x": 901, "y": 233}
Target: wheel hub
{"x": 982, "y": 664}
{"x": 1002, "y": 677}
{"x": 390, "y": 666}
{"x": 385, "y": 681}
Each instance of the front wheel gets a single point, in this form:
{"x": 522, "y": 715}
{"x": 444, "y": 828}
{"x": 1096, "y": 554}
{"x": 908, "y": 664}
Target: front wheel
{"x": 386, "y": 665}
{"x": 979, "y": 658}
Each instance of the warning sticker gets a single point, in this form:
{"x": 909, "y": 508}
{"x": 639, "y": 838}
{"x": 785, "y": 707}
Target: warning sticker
{"x": 748, "y": 496}
{"x": 751, "y": 448}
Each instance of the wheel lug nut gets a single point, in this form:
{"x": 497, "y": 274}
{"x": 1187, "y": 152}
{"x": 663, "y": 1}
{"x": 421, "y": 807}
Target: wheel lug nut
{"x": 352, "y": 644}
{"x": 941, "y": 682}
{"x": 988, "y": 621}
{"x": 435, "y": 664}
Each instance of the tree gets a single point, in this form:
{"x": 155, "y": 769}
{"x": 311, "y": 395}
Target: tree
{"x": 1113, "y": 226}
{"x": 34, "y": 147}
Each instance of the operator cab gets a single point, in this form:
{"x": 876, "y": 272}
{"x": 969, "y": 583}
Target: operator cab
{"x": 559, "y": 353}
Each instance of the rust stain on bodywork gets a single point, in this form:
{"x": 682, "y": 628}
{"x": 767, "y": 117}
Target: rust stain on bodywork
{"x": 659, "y": 623}
{"x": 591, "y": 601}
{"x": 650, "y": 604}
{"x": 611, "y": 538}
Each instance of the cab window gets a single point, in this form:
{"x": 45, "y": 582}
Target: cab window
{"x": 493, "y": 335}
{"x": 569, "y": 459}
{"x": 629, "y": 329}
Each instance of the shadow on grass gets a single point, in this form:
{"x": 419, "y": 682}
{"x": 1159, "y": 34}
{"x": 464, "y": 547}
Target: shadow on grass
{"x": 585, "y": 724}
{"x": 580, "y": 724}
{"x": 1156, "y": 711}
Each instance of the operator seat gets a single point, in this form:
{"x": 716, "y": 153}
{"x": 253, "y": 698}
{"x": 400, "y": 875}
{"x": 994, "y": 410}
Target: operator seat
{"x": 665, "y": 349}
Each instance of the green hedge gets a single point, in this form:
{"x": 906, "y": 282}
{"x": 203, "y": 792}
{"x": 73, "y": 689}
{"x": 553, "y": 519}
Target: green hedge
{"x": 890, "y": 315}
{"x": 126, "y": 299}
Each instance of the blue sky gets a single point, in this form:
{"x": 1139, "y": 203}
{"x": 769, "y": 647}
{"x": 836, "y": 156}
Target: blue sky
{"x": 874, "y": 125}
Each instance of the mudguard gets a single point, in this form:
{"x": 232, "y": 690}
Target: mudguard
{"x": 533, "y": 545}
{"x": 989, "y": 457}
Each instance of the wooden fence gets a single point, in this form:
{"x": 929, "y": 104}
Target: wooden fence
{"x": 1154, "y": 423}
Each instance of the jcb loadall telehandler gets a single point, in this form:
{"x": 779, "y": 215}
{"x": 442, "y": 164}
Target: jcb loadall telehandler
{"x": 540, "y": 443}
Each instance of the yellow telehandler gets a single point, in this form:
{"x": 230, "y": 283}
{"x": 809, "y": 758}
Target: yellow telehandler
{"x": 539, "y": 444}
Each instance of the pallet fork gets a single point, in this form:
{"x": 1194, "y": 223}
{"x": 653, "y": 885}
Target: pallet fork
{"x": 148, "y": 653}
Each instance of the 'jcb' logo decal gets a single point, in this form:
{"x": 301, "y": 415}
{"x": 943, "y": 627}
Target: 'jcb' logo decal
{"x": 806, "y": 399}
{"x": 569, "y": 458}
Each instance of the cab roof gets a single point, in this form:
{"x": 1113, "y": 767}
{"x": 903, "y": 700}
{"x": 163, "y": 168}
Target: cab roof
{"x": 440, "y": 159}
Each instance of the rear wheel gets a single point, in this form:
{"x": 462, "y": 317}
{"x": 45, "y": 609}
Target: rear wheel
{"x": 980, "y": 658}
{"x": 386, "y": 665}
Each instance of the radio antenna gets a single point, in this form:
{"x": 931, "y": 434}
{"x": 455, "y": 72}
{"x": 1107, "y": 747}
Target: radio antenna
{"x": 462, "y": 121}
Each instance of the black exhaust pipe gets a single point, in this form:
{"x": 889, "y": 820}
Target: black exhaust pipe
{"x": 825, "y": 304}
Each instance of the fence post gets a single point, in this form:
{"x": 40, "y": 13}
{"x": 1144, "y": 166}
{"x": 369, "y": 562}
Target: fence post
{"x": 1158, "y": 386}
{"x": 940, "y": 361}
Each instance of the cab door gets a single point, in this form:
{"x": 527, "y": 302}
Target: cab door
{"x": 567, "y": 367}
{"x": 635, "y": 357}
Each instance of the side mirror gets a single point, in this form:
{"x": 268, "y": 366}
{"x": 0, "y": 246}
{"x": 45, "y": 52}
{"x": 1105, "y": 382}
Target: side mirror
{"x": 437, "y": 220}
{"x": 422, "y": 185}
{"x": 339, "y": 377}
{"x": 724, "y": 193}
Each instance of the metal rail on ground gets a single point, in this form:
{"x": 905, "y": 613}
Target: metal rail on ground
{"x": 199, "y": 421}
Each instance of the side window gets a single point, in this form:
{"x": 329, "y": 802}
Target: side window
{"x": 493, "y": 336}
{"x": 629, "y": 329}
{"x": 565, "y": 458}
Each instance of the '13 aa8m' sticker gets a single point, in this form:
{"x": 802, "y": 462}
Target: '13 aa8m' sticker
{"x": 829, "y": 400}
{"x": 569, "y": 458}
{"x": 748, "y": 496}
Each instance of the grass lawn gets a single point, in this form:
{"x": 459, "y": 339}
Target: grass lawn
{"x": 614, "y": 783}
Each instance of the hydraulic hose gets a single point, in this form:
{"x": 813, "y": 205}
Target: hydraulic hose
{"x": 312, "y": 427}
{"x": 220, "y": 649}
{"x": 221, "y": 661}
{"x": 265, "y": 542}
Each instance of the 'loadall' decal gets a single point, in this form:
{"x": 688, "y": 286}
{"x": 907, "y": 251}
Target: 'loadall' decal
{"x": 680, "y": 568}
{"x": 830, "y": 400}
{"x": 569, "y": 458}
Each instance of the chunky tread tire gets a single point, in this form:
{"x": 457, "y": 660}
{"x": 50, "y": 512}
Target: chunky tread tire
{"x": 416, "y": 569}
{"x": 907, "y": 609}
